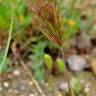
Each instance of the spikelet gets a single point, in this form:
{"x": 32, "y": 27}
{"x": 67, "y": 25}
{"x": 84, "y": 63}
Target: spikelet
{"x": 49, "y": 20}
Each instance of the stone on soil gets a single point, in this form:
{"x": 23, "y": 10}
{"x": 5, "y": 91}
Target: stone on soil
{"x": 77, "y": 63}
{"x": 6, "y": 84}
{"x": 17, "y": 73}
{"x": 63, "y": 87}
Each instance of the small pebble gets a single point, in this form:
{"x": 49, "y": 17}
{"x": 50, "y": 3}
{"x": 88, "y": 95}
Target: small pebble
{"x": 77, "y": 63}
{"x": 86, "y": 90}
{"x": 17, "y": 73}
{"x": 31, "y": 95}
{"x": 30, "y": 83}
{"x": 6, "y": 84}
{"x": 63, "y": 87}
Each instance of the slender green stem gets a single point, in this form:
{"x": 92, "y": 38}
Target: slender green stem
{"x": 8, "y": 44}
{"x": 71, "y": 93}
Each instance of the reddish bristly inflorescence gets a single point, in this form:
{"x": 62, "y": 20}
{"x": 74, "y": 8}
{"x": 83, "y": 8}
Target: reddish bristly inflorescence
{"x": 49, "y": 20}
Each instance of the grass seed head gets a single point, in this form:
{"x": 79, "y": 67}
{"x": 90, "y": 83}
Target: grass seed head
{"x": 49, "y": 20}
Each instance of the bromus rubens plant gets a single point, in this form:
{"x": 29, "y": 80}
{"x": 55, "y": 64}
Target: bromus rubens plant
{"x": 50, "y": 23}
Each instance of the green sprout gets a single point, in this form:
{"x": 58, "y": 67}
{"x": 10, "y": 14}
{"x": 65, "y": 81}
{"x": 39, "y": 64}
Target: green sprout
{"x": 48, "y": 61}
{"x": 61, "y": 65}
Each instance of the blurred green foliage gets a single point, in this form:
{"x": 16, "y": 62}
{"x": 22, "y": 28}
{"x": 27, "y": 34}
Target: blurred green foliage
{"x": 37, "y": 58}
{"x": 23, "y": 16}
{"x": 77, "y": 84}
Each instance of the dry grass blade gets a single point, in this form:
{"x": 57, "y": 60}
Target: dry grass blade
{"x": 32, "y": 78}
